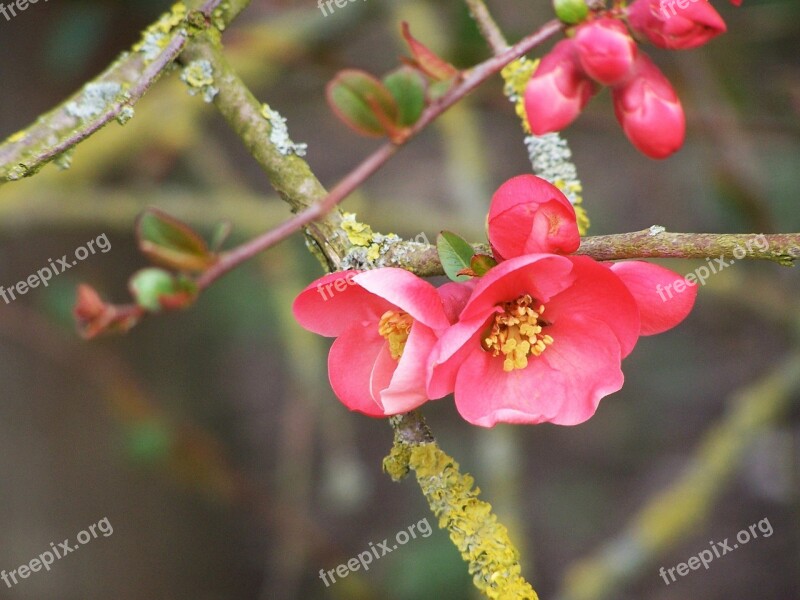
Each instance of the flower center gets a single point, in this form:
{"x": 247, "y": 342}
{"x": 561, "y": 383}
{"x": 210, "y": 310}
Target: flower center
{"x": 395, "y": 327}
{"x": 517, "y": 333}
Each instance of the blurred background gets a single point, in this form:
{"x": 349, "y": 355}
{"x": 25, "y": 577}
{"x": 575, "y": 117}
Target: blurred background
{"x": 210, "y": 438}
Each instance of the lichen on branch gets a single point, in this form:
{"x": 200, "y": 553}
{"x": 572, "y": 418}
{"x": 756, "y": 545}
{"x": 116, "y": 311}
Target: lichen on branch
{"x": 482, "y": 541}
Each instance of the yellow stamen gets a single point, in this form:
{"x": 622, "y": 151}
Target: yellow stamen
{"x": 516, "y": 333}
{"x": 395, "y": 327}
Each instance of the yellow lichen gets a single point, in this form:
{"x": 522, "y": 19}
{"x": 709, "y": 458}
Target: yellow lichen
{"x": 583, "y": 219}
{"x": 359, "y": 234}
{"x": 396, "y": 464}
{"x": 156, "y": 37}
{"x": 483, "y": 542}
{"x": 516, "y": 75}
{"x": 17, "y": 137}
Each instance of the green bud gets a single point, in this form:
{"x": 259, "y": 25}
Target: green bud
{"x": 571, "y": 11}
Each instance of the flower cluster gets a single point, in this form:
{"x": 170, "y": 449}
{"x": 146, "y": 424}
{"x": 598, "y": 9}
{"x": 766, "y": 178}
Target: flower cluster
{"x": 602, "y": 51}
{"x": 538, "y": 337}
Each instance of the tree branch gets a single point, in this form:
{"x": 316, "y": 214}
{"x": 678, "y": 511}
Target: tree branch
{"x": 482, "y": 541}
{"x": 113, "y": 93}
{"x": 782, "y": 248}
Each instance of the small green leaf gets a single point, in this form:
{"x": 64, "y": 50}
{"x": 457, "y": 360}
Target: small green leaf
{"x": 571, "y": 11}
{"x": 362, "y": 102}
{"x": 149, "y": 285}
{"x": 455, "y": 254}
{"x": 172, "y": 243}
{"x": 407, "y": 87}
{"x": 481, "y": 263}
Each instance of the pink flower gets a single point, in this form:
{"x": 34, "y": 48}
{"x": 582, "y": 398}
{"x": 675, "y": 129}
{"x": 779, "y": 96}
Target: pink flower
{"x": 527, "y": 215}
{"x": 558, "y": 90}
{"x": 668, "y": 24}
{"x": 385, "y": 323}
{"x": 606, "y": 51}
{"x": 542, "y": 337}
{"x": 649, "y": 110}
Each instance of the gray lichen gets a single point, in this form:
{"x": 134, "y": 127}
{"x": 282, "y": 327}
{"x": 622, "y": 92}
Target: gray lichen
{"x": 94, "y": 100}
{"x": 64, "y": 160}
{"x": 279, "y": 133}
{"x": 125, "y": 114}
{"x": 551, "y": 159}
{"x": 199, "y": 76}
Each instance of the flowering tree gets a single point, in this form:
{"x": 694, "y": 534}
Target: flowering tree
{"x": 533, "y": 326}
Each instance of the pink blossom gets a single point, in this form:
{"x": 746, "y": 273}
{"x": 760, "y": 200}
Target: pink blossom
{"x": 527, "y": 215}
{"x": 606, "y": 51}
{"x": 558, "y": 90}
{"x": 542, "y": 338}
{"x": 667, "y": 24}
{"x": 649, "y": 110}
{"x": 385, "y": 323}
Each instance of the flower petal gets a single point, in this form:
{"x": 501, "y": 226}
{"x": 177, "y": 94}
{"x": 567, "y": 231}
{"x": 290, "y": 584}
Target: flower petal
{"x": 407, "y": 292}
{"x": 652, "y": 287}
{"x": 455, "y": 296}
{"x": 540, "y": 275}
{"x": 350, "y": 365}
{"x": 450, "y": 352}
{"x": 595, "y": 295}
{"x": 563, "y": 386}
{"x": 406, "y": 390}
{"x": 333, "y": 303}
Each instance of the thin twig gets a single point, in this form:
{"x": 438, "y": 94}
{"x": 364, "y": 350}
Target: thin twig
{"x": 487, "y": 25}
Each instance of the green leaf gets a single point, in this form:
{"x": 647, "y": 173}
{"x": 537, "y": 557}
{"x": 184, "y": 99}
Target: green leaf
{"x": 362, "y": 102}
{"x": 481, "y": 263}
{"x": 149, "y": 285}
{"x": 571, "y": 11}
{"x": 172, "y": 243}
{"x": 455, "y": 254}
{"x": 407, "y": 87}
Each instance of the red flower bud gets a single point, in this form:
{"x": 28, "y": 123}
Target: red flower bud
{"x": 528, "y": 215}
{"x": 649, "y": 110}
{"x": 606, "y": 51}
{"x": 676, "y": 24}
{"x": 558, "y": 90}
